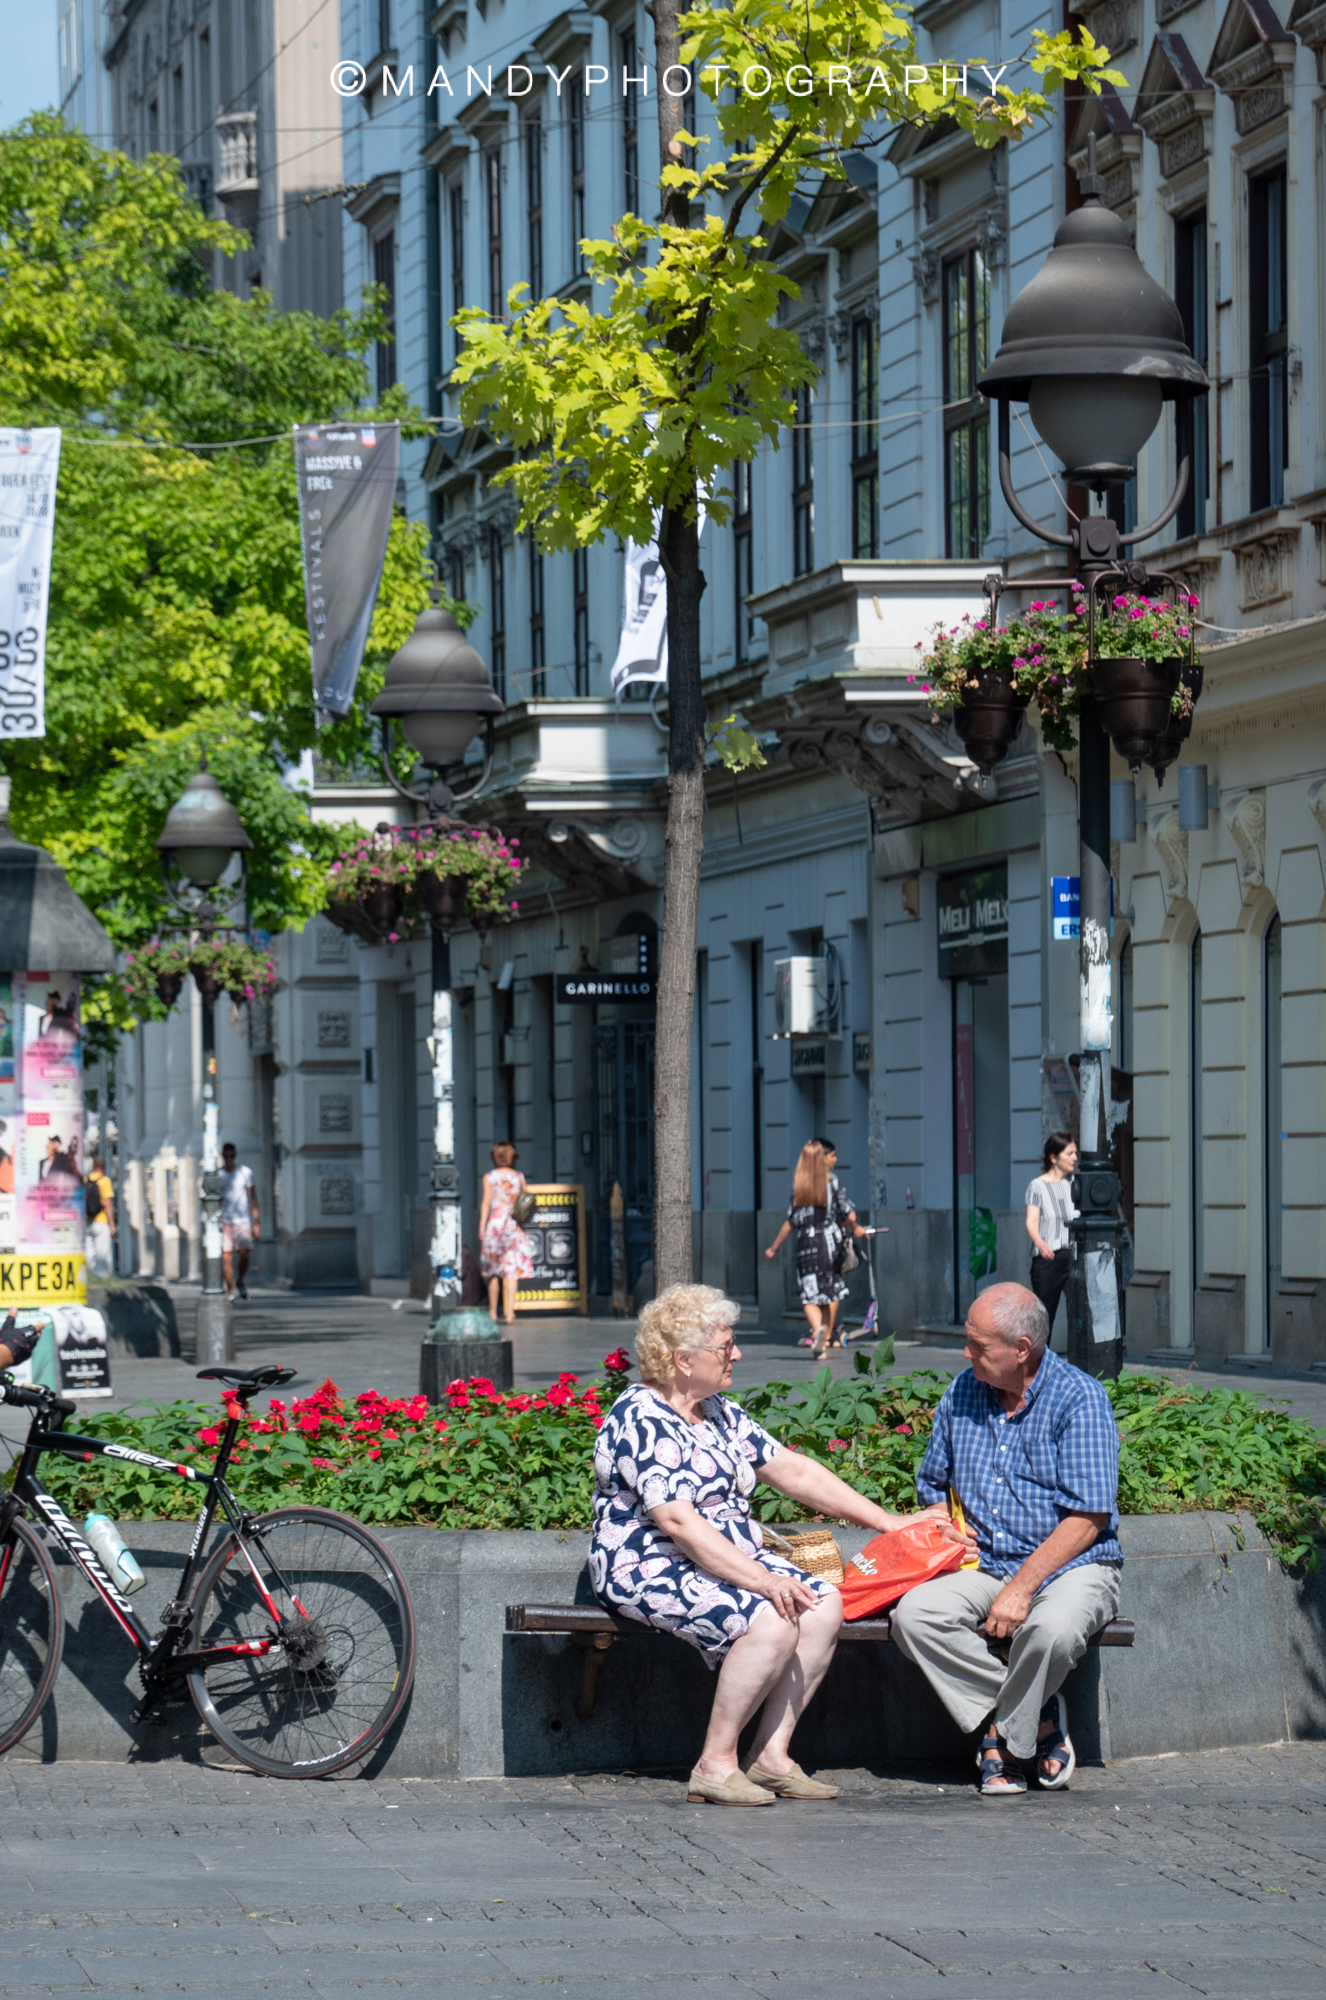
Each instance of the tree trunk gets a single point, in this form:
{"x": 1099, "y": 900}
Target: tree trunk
{"x": 679, "y": 548}
{"x": 679, "y": 545}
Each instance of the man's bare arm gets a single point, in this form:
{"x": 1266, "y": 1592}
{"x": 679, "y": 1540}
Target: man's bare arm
{"x": 1073, "y": 1537}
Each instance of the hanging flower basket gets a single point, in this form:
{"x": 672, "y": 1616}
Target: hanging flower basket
{"x": 393, "y": 884}
{"x": 983, "y": 676}
{"x": 153, "y": 975}
{"x": 989, "y": 719}
{"x": 1142, "y": 645}
{"x": 1179, "y": 727}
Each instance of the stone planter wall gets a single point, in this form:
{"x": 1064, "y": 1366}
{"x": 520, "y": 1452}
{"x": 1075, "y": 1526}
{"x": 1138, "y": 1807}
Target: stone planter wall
{"x": 1229, "y": 1650}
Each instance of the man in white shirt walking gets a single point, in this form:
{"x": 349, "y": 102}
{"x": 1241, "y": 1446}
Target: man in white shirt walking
{"x": 239, "y": 1222}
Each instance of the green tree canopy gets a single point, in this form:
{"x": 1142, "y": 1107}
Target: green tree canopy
{"x": 177, "y": 601}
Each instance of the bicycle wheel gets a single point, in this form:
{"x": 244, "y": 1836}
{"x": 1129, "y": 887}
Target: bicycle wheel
{"x": 330, "y": 1690}
{"x": 31, "y": 1631}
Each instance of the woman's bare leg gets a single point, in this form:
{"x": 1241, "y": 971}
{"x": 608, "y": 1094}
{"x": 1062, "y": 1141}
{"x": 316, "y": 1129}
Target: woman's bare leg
{"x": 816, "y": 1324}
{"x": 756, "y": 1663}
{"x": 833, "y": 1323}
{"x": 509, "y": 1300}
{"x": 494, "y": 1286}
{"x": 796, "y": 1684}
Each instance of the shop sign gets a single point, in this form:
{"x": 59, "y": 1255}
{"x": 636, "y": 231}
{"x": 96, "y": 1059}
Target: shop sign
{"x": 1065, "y": 906}
{"x": 973, "y": 922}
{"x": 587, "y": 989}
{"x": 861, "y": 1054}
{"x": 556, "y": 1236}
{"x": 810, "y": 1058}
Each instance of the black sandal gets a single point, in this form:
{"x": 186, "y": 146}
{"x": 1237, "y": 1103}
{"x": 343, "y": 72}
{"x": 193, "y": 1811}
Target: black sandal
{"x": 1000, "y": 1778}
{"x": 1056, "y": 1748}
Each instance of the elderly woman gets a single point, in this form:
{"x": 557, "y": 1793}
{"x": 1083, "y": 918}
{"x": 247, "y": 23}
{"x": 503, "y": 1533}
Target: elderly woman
{"x": 674, "y": 1544}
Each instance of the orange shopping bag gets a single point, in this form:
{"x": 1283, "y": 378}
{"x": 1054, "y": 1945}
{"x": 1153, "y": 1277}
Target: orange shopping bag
{"x": 895, "y": 1563}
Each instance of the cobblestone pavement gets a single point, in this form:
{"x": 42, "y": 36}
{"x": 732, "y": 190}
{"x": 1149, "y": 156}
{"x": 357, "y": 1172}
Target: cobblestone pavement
{"x": 1195, "y": 1874}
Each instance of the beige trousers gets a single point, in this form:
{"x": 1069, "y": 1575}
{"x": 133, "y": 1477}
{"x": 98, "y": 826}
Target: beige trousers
{"x": 935, "y": 1626}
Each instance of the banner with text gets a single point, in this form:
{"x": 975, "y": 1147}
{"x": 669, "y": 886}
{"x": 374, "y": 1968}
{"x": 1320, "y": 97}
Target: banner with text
{"x": 347, "y": 477}
{"x": 29, "y": 463}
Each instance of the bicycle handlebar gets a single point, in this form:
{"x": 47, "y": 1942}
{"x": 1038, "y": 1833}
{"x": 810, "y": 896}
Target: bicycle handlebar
{"x": 35, "y": 1399}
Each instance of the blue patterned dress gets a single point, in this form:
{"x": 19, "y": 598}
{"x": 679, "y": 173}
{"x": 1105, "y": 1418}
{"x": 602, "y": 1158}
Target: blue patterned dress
{"x": 646, "y": 1455}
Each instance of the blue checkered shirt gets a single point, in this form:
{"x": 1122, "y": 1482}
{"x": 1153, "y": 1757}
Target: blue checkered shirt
{"x": 1018, "y": 1476}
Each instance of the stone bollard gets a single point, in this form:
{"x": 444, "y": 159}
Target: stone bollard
{"x": 215, "y": 1340}
{"x": 460, "y": 1345}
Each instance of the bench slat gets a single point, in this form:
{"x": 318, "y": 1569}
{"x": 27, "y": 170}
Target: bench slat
{"x": 592, "y": 1618}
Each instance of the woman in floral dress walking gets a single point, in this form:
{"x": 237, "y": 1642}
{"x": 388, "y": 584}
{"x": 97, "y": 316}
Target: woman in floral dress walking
{"x": 503, "y": 1245}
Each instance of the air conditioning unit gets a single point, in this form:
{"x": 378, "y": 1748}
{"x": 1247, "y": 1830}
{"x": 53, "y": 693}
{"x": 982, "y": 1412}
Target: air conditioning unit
{"x": 801, "y": 997}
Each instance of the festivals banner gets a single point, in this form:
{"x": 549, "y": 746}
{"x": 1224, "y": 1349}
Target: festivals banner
{"x": 642, "y": 652}
{"x": 29, "y": 462}
{"x": 42, "y": 1164}
{"x": 347, "y": 488}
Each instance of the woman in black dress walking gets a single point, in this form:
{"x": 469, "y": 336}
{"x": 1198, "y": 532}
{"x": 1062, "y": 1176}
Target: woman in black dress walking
{"x": 820, "y": 1212}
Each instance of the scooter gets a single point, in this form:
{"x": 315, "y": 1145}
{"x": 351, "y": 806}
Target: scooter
{"x": 869, "y": 1326}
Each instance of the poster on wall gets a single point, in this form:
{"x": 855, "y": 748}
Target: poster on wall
{"x": 556, "y": 1233}
{"x": 42, "y": 1155}
{"x": 972, "y": 911}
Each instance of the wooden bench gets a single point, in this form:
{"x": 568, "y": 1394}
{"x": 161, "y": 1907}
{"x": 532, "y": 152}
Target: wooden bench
{"x": 595, "y": 1629}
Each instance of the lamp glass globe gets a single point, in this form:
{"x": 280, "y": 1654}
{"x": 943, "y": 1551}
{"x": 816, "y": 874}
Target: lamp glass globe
{"x": 440, "y": 735}
{"x": 1095, "y": 419}
{"x": 203, "y": 866}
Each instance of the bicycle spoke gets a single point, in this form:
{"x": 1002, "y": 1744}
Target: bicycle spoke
{"x": 331, "y": 1685}
{"x": 30, "y": 1632}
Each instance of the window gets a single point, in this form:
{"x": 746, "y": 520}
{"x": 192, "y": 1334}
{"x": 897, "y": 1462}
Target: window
{"x": 803, "y": 483}
{"x": 178, "y": 134}
{"x": 577, "y": 140}
{"x": 456, "y": 573}
{"x": 966, "y": 294}
{"x": 865, "y": 442}
{"x": 1272, "y": 991}
{"x": 384, "y": 274}
{"x": 1197, "y": 1190}
{"x": 456, "y": 230}
{"x": 492, "y": 190}
{"x": 1192, "y": 437}
{"x": 384, "y": 24}
{"x": 743, "y": 546}
{"x": 633, "y": 77}
{"x": 538, "y": 658}
{"x": 580, "y": 604}
{"x": 533, "y": 132}
{"x": 1268, "y": 383}
{"x": 497, "y": 609}
{"x": 204, "y": 109}
{"x": 153, "y": 127}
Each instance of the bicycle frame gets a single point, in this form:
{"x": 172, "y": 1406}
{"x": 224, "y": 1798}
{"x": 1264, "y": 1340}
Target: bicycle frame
{"x": 160, "y": 1656}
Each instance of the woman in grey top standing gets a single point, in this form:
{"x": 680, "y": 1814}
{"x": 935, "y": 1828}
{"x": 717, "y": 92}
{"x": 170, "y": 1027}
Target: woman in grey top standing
{"x": 1049, "y": 1212}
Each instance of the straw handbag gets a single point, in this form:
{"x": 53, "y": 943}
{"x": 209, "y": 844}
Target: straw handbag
{"x": 811, "y": 1549}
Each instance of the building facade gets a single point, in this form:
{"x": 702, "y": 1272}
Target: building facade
{"x": 938, "y": 1074}
{"x": 239, "y": 93}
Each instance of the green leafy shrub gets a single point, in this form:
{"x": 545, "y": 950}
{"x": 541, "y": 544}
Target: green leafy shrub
{"x": 485, "y": 1460}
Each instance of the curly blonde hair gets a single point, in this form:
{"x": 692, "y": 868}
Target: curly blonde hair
{"x": 680, "y": 1319}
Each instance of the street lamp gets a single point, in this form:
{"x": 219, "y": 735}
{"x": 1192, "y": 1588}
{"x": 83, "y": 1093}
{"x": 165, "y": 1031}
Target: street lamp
{"x": 1094, "y": 347}
{"x": 202, "y": 835}
{"x": 439, "y": 689}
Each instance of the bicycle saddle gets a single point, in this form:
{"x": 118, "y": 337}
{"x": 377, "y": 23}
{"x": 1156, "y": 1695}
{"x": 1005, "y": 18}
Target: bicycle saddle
{"x": 249, "y": 1380}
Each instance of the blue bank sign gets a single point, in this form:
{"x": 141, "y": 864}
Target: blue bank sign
{"x": 973, "y": 922}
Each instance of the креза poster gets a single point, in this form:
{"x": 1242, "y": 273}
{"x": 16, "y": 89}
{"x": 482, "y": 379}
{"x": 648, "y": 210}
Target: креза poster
{"x": 48, "y": 1115}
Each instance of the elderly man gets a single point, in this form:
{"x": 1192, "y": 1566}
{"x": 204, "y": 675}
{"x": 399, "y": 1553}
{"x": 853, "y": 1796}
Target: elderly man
{"x": 1029, "y": 1447}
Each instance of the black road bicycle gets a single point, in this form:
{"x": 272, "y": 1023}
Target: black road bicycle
{"x": 296, "y": 1643}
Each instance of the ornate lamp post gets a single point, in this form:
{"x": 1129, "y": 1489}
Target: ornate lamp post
{"x": 1095, "y": 347}
{"x": 440, "y": 691}
{"x": 202, "y": 835}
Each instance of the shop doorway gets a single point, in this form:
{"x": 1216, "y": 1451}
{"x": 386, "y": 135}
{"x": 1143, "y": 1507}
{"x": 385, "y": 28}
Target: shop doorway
{"x": 981, "y": 1120}
{"x": 624, "y": 1103}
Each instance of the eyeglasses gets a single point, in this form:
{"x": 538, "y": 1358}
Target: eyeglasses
{"x": 726, "y": 1350}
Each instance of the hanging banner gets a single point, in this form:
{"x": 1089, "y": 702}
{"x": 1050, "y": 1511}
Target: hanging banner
{"x": 347, "y": 477}
{"x": 29, "y": 462}
{"x": 642, "y": 654}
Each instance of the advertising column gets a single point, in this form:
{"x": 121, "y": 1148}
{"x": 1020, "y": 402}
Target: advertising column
{"x": 42, "y": 1166}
